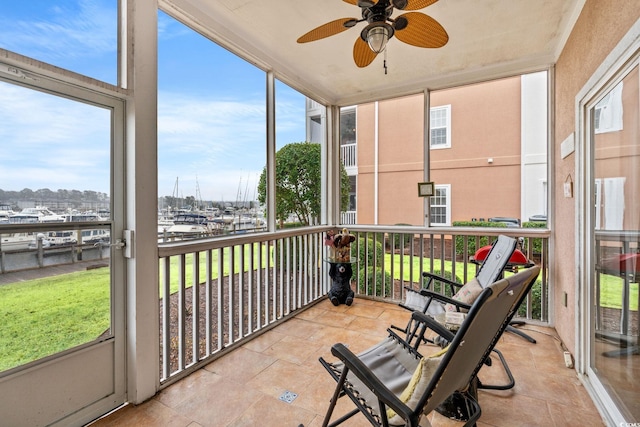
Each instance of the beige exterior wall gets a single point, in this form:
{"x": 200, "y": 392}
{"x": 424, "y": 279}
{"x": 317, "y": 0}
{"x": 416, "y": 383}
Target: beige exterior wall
{"x": 485, "y": 124}
{"x": 599, "y": 28}
{"x": 399, "y": 161}
{"x": 482, "y": 125}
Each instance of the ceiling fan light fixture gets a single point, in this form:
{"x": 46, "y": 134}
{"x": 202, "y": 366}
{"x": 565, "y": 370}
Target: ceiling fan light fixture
{"x": 377, "y": 36}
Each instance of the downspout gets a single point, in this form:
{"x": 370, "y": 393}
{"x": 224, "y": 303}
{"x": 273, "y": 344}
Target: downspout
{"x": 427, "y": 154}
{"x": 375, "y": 165}
{"x": 331, "y": 188}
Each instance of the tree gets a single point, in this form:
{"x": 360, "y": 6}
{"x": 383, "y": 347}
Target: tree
{"x": 298, "y": 183}
{"x": 190, "y": 201}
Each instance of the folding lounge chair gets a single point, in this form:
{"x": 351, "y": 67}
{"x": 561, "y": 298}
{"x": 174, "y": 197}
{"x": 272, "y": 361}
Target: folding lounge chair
{"x": 393, "y": 384}
{"x": 490, "y": 270}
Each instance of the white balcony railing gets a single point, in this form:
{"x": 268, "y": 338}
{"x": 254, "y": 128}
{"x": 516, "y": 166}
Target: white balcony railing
{"x": 349, "y": 155}
{"x": 348, "y": 217}
{"x": 222, "y": 292}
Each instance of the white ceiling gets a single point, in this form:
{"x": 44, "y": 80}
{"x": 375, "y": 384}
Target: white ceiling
{"x": 487, "y": 39}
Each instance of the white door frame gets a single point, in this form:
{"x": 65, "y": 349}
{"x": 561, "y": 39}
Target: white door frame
{"x": 601, "y": 81}
{"x": 77, "y": 385}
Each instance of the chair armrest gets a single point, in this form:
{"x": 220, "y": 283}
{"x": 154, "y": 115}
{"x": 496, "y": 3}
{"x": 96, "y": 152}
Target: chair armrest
{"x": 431, "y": 277}
{"x": 369, "y": 379}
{"x": 432, "y": 324}
{"x": 444, "y": 299}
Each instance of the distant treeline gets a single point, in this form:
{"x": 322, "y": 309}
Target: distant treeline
{"x": 57, "y": 200}
{"x": 61, "y": 199}
{"x": 165, "y": 202}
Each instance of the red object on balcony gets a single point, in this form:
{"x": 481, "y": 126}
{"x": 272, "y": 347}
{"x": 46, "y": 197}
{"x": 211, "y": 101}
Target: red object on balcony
{"x": 622, "y": 264}
{"x": 517, "y": 258}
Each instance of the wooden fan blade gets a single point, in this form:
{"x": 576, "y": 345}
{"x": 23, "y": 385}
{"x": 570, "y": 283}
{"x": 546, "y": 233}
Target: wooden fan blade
{"x": 326, "y": 30}
{"x": 362, "y": 54}
{"x": 418, "y": 4}
{"x": 422, "y": 31}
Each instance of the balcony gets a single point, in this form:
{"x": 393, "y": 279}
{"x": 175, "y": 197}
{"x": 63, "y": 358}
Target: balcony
{"x": 349, "y": 156}
{"x": 225, "y": 291}
{"x": 250, "y": 332}
{"x": 248, "y": 386}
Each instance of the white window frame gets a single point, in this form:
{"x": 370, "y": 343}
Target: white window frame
{"x": 609, "y": 112}
{"x": 447, "y": 205}
{"x": 435, "y": 124}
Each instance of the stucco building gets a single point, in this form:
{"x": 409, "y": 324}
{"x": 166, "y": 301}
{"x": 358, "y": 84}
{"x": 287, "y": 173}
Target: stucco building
{"x": 589, "y": 51}
{"x": 487, "y": 158}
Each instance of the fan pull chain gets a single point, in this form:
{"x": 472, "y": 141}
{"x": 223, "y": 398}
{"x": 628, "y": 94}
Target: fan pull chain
{"x": 384, "y": 63}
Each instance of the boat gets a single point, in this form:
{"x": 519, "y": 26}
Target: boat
{"x": 164, "y": 224}
{"x": 188, "y": 226}
{"x": 62, "y": 238}
{"x": 5, "y": 213}
{"x": 246, "y": 223}
{"x": 83, "y": 217}
{"x": 22, "y": 241}
{"x": 95, "y": 236}
{"x": 33, "y": 215}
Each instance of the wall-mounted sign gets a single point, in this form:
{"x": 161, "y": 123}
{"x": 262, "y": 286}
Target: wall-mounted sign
{"x": 425, "y": 189}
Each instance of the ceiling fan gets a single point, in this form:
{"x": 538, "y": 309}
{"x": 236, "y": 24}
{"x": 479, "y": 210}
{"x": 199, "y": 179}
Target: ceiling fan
{"x": 414, "y": 28}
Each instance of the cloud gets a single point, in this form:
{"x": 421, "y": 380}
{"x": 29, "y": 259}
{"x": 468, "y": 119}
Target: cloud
{"x": 66, "y": 30}
{"x": 52, "y": 142}
{"x": 222, "y": 142}
{"x": 211, "y": 106}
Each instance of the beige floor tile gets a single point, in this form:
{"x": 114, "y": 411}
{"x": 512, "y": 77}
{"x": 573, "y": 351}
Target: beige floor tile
{"x": 282, "y": 376}
{"x": 396, "y": 317}
{"x": 272, "y": 412}
{"x": 560, "y": 389}
{"x": 197, "y": 383}
{"x": 566, "y": 415}
{"x": 243, "y": 387}
{"x": 220, "y": 404}
{"x": 301, "y": 328}
{"x": 335, "y": 318}
{"x": 502, "y": 412}
{"x": 293, "y": 349}
{"x": 242, "y": 364}
{"x": 329, "y": 335}
{"x": 370, "y": 326}
{"x": 264, "y": 341}
{"x": 149, "y": 414}
{"x": 311, "y": 313}
{"x": 366, "y": 311}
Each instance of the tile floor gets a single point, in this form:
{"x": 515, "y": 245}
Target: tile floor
{"x": 243, "y": 388}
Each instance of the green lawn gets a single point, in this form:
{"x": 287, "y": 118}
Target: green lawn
{"x": 202, "y": 272}
{"x": 610, "y": 286}
{"x": 45, "y": 316}
{"x": 611, "y": 292}
{"x": 48, "y": 315}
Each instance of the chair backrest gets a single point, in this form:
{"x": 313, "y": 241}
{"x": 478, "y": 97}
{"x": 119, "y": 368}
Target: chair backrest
{"x": 496, "y": 261}
{"x": 487, "y": 319}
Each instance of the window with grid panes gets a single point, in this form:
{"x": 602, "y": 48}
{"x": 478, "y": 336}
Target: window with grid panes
{"x": 440, "y": 124}
{"x": 441, "y": 205}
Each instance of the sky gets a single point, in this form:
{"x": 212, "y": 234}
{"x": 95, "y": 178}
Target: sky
{"x": 211, "y": 107}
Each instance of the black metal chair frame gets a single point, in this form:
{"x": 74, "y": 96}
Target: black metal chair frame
{"x": 491, "y": 270}
{"x": 485, "y": 322}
